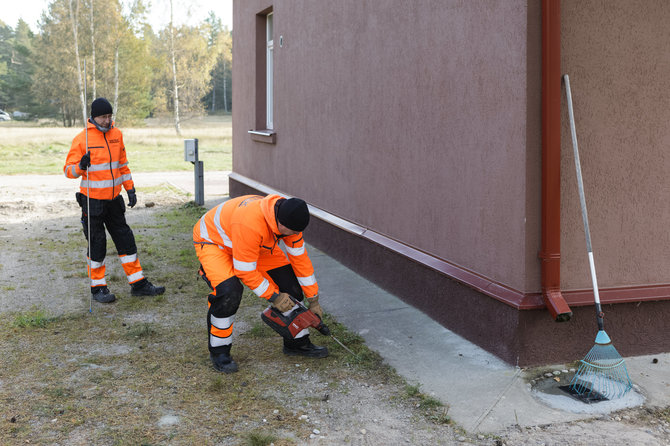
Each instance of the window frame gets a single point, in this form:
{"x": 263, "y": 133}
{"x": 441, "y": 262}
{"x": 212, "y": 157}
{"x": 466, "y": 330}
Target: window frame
{"x": 263, "y": 130}
{"x": 269, "y": 72}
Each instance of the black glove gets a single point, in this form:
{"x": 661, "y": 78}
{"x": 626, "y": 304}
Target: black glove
{"x": 132, "y": 198}
{"x": 85, "y": 161}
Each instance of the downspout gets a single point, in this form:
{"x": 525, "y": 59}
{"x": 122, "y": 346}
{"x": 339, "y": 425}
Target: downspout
{"x": 550, "y": 255}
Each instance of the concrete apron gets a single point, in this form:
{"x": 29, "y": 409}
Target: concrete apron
{"x": 482, "y": 393}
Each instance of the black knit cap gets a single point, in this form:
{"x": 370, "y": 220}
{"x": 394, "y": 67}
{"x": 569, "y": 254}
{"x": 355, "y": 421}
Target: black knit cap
{"x": 294, "y": 214}
{"x": 100, "y": 106}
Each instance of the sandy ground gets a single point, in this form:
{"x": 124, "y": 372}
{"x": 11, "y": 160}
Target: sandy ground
{"x": 38, "y": 209}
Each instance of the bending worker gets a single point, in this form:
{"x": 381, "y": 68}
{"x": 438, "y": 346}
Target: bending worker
{"x": 239, "y": 240}
{"x": 103, "y": 168}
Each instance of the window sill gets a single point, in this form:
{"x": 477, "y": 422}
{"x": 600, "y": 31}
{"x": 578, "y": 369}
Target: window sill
{"x": 266, "y": 136}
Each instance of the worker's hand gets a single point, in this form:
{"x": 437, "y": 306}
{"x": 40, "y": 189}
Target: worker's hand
{"x": 132, "y": 198}
{"x": 315, "y": 306}
{"x": 282, "y": 302}
{"x": 85, "y": 161}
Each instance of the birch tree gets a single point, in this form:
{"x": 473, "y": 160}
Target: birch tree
{"x": 123, "y": 64}
{"x": 92, "y": 25}
{"x": 175, "y": 86}
{"x": 74, "y": 18}
{"x": 56, "y": 75}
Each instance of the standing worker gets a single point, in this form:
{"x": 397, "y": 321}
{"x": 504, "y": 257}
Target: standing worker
{"x": 103, "y": 167}
{"x": 239, "y": 240}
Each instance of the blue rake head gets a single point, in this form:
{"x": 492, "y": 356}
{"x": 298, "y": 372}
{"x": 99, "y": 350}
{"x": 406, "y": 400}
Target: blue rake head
{"x": 602, "y": 372}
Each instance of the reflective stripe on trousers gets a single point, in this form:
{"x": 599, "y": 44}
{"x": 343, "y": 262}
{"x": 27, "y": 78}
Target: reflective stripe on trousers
{"x": 131, "y": 266}
{"x": 220, "y": 331}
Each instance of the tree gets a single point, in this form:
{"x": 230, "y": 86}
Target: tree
{"x": 74, "y": 18}
{"x": 55, "y": 78}
{"x": 120, "y": 71}
{"x": 134, "y": 73}
{"x": 6, "y": 34}
{"x": 220, "y": 42}
{"x": 16, "y": 68}
{"x": 181, "y": 70}
{"x": 92, "y": 25}
{"x": 123, "y": 75}
{"x": 189, "y": 76}
{"x": 175, "y": 85}
{"x": 22, "y": 68}
{"x": 224, "y": 68}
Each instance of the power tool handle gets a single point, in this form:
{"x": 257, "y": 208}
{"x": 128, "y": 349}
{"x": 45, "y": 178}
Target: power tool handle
{"x": 321, "y": 327}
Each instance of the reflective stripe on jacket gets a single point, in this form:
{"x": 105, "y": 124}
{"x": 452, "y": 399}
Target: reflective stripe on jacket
{"x": 109, "y": 166}
{"x": 246, "y": 228}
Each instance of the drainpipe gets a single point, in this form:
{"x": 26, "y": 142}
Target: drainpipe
{"x": 550, "y": 255}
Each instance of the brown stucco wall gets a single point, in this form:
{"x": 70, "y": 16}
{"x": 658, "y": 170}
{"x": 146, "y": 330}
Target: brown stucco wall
{"x": 422, "y": 123}
{"x": 616, "y": 54}
{"x": 419, "y": 120}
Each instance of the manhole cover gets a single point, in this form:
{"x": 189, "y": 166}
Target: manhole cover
{"x": 588, "y": 396}
{"x": 553, "y": 389}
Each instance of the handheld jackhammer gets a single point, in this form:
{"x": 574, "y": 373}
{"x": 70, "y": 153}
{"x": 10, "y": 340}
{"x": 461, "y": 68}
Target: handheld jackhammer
{"x": 296, "y": 321}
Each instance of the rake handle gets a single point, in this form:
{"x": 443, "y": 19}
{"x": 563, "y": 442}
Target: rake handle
{"x": 582, "y": 200}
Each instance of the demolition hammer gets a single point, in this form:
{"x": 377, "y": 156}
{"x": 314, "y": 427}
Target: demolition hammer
{"x": 296, "y": 321}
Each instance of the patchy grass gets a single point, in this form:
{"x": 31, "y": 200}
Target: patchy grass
{"x": 431, "y": 407}
{"x": 138, "y": 371}
{"x": 260, "y": 439}
{"x": 36, "y": 317}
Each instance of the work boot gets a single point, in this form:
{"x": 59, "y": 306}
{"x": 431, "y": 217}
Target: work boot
{"x": 146, "y": 288}
{"x": 304, "y": 347}
{"x": 223, "y": 362}
{"x": 101, "y": 294}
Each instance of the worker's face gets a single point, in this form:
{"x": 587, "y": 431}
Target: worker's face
{"x": 283, "y": 230}
{"x": 103, "y": 120}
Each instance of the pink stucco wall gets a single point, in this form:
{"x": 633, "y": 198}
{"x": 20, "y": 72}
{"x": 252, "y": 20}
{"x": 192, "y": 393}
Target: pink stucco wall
{"x": 419, "y": 120}
{"x": 617, "y": 55}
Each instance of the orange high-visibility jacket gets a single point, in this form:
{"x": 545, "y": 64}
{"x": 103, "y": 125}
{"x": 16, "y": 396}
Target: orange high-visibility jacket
{"x": 109, "y": 165}
{"x": 246, "y": 228}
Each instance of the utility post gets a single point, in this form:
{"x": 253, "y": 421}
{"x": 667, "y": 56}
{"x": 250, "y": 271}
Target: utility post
{"x": 191, "y": 154}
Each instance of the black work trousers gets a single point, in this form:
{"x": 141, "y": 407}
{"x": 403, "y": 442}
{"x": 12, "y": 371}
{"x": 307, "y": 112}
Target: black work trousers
{"x": 110, "y": 215}
{"x": 226, "y": 297}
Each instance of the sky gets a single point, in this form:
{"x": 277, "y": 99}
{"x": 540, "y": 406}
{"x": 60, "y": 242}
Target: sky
{"x": 185, "y": 11}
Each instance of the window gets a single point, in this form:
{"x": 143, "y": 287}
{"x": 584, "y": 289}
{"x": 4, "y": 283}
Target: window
{"x": 264, "y": 123}
{"x": 269, "y": 44}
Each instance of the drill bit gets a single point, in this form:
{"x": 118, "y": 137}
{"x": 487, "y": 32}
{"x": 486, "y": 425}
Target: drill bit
{"x": 343, "y": 346}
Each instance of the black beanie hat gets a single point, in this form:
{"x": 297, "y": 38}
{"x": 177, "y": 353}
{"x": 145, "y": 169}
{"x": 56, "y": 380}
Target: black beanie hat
{"x": 293, "y": 214}
{"x": 101, "y": 106}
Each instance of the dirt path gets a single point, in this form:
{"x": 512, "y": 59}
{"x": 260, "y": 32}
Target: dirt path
{"x": 40, "y": 209}
{"x": 37, "y": 212}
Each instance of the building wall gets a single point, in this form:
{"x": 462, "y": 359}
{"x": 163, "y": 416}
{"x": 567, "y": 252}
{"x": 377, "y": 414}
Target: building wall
{"x": 616, "y": 54}
{"x": 421, "y": 121}
{"x": 412, "y": 119}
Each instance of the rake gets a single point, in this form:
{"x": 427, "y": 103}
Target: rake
{"x": 602, "y": 373}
